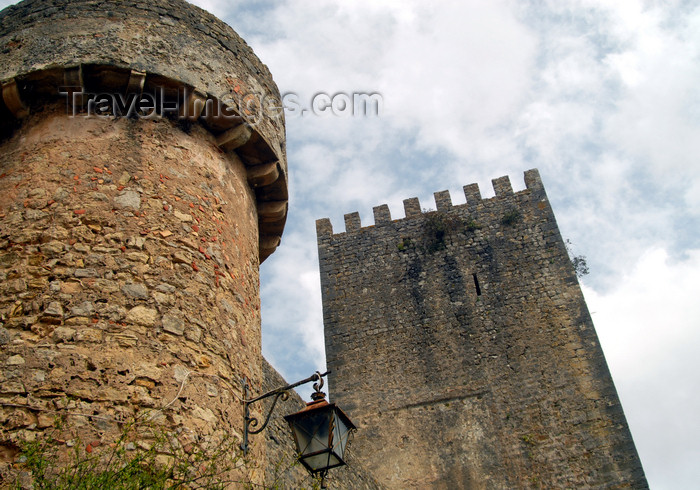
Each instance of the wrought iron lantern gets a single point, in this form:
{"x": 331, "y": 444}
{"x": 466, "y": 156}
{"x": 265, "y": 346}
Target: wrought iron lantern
{"x": 321, "y": 433}
{"x": 321, "y": 430}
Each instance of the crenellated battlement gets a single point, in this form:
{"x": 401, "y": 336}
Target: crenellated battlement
{"x": 443, "y": 203}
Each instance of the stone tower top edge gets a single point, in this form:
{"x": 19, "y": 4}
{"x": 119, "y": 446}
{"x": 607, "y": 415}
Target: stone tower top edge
{"x": 412, "y": 207}
{"x": 158, "y": 47}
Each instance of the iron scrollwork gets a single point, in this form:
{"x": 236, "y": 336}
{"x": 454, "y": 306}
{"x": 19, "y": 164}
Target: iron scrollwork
{"x": 253, "y": 422}
{"x": 250, "y": 423}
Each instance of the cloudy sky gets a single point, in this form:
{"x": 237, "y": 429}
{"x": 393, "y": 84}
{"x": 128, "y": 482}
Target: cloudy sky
{"x": 603, "y": 97}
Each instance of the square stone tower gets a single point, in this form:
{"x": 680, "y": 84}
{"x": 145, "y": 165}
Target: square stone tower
{"x": 461, "y": 345}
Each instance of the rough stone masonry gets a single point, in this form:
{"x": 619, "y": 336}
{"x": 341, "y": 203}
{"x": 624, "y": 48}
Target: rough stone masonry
{"x": 460, "y": 342}
{"x": 130, "y": 242}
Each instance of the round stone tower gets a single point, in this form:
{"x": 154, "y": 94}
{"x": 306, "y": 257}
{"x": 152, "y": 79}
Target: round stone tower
{"x": 142, "y": 181}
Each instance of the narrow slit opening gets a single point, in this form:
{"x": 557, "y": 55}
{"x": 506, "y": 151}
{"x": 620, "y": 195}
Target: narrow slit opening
{"x": 476, "y": 284}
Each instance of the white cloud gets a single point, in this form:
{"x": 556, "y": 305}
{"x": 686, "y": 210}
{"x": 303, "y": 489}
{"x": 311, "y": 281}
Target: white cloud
{"x": 648, "y": 327}
{"x": 292, "y": 315}
{"x": 658, "y": 116}
{"x": 449, "y": 84}
{"x": 217, "y": 7}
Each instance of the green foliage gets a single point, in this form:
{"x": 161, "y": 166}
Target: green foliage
{"x": 162, "y": 463}
{"x": 578, "y": 261}
{"x": 529, "y": 439}
{"x": 437, "y": 226}
{"x": 511, "y": 217}
{"x": 580, "y": 265}
{"x": 404, "y": 244}
{"x": 471, "y": 225}
{"x": 85, "y": 471}
{"x": 282, "y": 468}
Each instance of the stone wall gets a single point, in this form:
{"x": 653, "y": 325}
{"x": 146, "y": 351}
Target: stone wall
{"x": 130, "y": 240}
{"x": 460, "y": 342}
{"x": 188, "y": 64}
{"x": 128, "y": 259}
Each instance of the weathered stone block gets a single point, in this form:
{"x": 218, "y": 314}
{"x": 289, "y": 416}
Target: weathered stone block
{"x": 142, "y": 315}
{"x": 15, "y": 360}
{"x": 128, "y": 199}
{"x": 137, "y": 291}
{"x": 4, "y": 336}
{"x": 173, "y": 324}
{"x": 64, "y": 334}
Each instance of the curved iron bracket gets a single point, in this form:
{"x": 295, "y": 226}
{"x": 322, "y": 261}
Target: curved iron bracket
{"x": 250, "y": 423}
{"x": 253, "y": 422}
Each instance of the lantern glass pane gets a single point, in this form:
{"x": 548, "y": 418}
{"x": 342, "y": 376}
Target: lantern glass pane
{"x": 340, "y": 436}
{"x": 312, "y": 432}
{"x": 321, "y": 461}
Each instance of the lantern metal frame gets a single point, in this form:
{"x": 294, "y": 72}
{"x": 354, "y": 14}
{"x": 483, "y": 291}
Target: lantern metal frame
{"x": 335, "y": 417}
